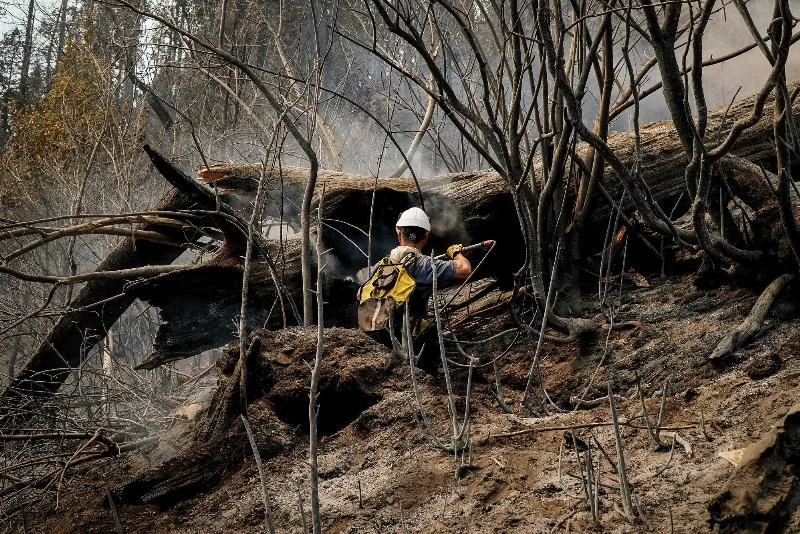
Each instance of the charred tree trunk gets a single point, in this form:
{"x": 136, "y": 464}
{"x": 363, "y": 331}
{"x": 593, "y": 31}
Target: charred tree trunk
{"x": 464, "y": 207}
{"x": 102, "y": 301}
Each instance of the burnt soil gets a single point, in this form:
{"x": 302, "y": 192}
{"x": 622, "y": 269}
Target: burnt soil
{"x": 380, "y": 473}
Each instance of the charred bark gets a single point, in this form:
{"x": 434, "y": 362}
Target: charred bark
{"x": 198, "y": 308}
{"x": 353, "y": 372}
{"x": 211, "y": 288}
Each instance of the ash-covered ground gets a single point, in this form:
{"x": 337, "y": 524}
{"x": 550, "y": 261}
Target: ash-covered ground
{"x": 380, "y": 471}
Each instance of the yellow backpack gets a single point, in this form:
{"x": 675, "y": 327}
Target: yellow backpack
{"x": 389, "y": 287}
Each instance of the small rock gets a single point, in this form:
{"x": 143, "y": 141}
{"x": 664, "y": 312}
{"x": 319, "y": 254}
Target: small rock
{"x": 763, "y": 365}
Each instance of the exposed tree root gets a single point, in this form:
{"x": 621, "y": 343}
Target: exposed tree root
{"x": 352, "y": 374}
{"x": 575, "y": 327}
{"x": 748, "y": 328}
{"x": 481, "y": 200}
{"x": 227, "y": 402}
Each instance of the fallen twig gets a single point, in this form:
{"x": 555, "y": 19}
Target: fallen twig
{"x": 578, "y": 402}
{"x": 683, "y": 443}
{"x": 94, "y": 436}
{"x": 71, "y": 458}
{"x": 703, "y": 428}
{"x": 671, "y": 454}
{"x": 624, "y": 486}
{"x": 113, "y": 508}
{"x": 628, "y": 424}
{"x": 563, "y": 519}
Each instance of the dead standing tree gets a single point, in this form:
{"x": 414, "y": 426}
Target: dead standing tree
{"x": 286, "y": 114}
{"x": 705, "y": 153}
{"x": 549, "y": 185}
{"x": 513, "y": 79}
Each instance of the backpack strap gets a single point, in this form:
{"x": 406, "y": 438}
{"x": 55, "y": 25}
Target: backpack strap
{"x": 408, "y": 259}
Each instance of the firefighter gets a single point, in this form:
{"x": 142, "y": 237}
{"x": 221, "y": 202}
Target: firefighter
{"x": 406, "y": 274}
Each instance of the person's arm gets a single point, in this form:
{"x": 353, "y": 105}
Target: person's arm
{"x": 461, "y": 267}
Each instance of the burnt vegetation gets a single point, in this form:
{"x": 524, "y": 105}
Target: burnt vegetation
{"x": 191, "y": 188}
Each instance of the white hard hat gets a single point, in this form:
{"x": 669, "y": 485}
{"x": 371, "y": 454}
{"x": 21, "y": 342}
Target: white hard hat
{"x": 414, "y": 217}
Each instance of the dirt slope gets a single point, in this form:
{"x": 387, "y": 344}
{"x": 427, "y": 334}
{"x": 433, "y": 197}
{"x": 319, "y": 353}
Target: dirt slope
{"x": 380, "y": 473}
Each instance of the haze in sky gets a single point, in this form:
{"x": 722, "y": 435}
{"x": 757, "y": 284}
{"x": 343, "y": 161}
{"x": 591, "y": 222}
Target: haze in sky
{"x": 13, "y": 12}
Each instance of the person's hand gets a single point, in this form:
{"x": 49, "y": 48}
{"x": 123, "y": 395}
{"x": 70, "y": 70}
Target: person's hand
{"x": 452, "y": 250}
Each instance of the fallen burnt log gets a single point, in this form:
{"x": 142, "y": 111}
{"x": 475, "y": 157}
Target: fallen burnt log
{"x": 199, "y": 307}
{"x": 474, "y": 206}
{"x": 94, "y": 310}
{"x": 103, "y": 299}
{"x": 353, "y": 378}
{"x": 198, "y": 303}
{"x": 205, "y": 465}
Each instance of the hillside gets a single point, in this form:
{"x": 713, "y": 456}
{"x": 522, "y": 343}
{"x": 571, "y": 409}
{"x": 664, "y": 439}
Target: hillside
{"x": 379, "y": 472}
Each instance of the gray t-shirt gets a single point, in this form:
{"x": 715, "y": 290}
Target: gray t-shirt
{"x": 422, "y": 271}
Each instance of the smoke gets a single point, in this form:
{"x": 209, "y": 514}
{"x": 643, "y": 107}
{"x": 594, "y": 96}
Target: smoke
{"x": 447, "y": 223}
{"x": 741, "y": 76}
{"x": 348, "y": 246}
{"x": 366, "y": 150}
{"x": 727, "y": 32}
